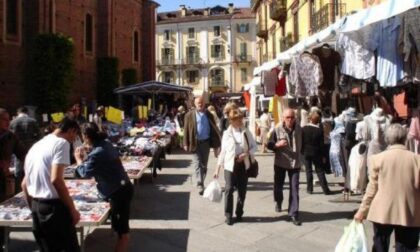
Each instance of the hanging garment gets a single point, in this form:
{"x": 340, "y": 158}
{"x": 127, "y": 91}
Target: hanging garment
{"x": 270, "y": 82}
{"x": 306, "y": 75}
{"x": 384, "y": 39}
{"x": 409, "y": 43}
{"x": 327, "y": 127}
{"x": 400, "y": 105}
{"x": 412, "y": 96}
{"x": 358, "y": 167}
{"x": 337, "y": 160}
{"x": 375, "y": 133}
{"x": 358, "y": 62}
{"x": 329, "y": 59}
{"x": 414, "y": 133}
{"x": 281, "y": 89}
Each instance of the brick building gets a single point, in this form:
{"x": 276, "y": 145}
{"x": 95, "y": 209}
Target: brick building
{"x": 124, "y": 29}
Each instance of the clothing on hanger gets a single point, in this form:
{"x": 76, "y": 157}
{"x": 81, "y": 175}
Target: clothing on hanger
{"x": 330, "y": 60}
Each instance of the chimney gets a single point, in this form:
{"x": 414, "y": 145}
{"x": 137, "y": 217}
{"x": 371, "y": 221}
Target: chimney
{"x": 206, "y": 12}
{"x": 230, "y": 9}
{"x": 183, "y": 10}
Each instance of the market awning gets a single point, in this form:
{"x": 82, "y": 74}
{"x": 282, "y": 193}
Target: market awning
{"x": 355, "y": 22}
{"x": 152, "y": 87}
{"x": 388, "y": 9}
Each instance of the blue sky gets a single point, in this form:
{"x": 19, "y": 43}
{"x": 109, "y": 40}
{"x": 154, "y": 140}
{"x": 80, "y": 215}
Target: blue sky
{"x": 171, "y": 5}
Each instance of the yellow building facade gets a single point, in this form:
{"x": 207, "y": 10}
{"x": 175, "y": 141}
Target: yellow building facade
{"x": 283, "y": 23}
{"x": 210, "y": 49}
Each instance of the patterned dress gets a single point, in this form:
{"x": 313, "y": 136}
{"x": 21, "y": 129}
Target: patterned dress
{"x": 337, "y": 152}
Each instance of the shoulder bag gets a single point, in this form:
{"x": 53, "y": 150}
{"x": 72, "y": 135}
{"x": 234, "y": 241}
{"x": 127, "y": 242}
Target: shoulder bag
{"x": 252, "y": 171}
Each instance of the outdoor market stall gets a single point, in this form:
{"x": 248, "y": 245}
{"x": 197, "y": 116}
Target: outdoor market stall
{"x": 15, "y": 215}
{"x": 365, "y": 69}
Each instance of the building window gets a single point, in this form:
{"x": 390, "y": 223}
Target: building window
{"x": 12, "y": 17}
{"x": 167, "y": 35}
{"x": 243, "y": 28}
{"x": 136, "y": 46}
{"x": 216, "y": 31}
{"x": 192, "y": 76}
{"x": 167, "y": 53}
{"x": 191, "y": 33}
{"x": 295, "y": 27}
{"x": 89, "y": 33}
{"x": 217, "y": 77}
{"x": 168, "y": 77}
{"x": 244, "y": 75}
{"x": 243, "y": 49}
{"x": 217, "y": 51}
{"x": 192, "y": 55}
{"x": 274, "y": 46}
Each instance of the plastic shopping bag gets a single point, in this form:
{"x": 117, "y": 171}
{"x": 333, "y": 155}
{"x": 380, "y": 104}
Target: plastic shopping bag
{"x": 213, "y": 192}
{"x": 353, "y": 239}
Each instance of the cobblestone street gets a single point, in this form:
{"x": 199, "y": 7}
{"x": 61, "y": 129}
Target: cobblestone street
{"x": 169, "y": 215}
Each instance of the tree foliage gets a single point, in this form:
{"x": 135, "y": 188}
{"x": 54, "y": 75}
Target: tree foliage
{"x": 49, "y": 72}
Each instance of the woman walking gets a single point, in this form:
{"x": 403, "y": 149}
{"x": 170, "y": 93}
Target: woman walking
{"x": 312, "y": 149}
{"x": 238, "y": 149}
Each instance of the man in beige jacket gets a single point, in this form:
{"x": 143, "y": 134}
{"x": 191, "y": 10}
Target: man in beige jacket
{"x": 392, "y": 199}
{"x": 200, "y": 134}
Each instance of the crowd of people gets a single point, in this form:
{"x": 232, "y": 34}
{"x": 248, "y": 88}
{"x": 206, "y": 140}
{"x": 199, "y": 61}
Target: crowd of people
{"x": 390, "y": 202}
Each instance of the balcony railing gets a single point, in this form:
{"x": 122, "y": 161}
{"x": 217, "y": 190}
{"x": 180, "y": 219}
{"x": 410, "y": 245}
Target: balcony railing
{"x": 218, "y": 82}
{"x": 192, "y": 59}
{"x": 166, "y": 61}
{"x": 262, "y": 29}
{"x": 278, "y": 10}
{"x": 326, "y": 16}
{"x": 243, "y": 58}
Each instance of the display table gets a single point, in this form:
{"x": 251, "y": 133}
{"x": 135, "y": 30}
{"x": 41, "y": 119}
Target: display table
{"x": 134, "y": 166}
{"x": 16, "y": 216}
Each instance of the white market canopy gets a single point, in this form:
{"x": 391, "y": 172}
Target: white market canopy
{"x": 363, "y": 19}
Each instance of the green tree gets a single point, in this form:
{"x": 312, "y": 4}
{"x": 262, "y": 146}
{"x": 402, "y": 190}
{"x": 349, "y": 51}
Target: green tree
{"x": 49, "y": 72}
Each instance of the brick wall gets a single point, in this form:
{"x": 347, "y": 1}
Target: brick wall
{"x": 114, "y": 24}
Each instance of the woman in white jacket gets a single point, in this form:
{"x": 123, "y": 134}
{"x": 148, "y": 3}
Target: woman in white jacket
{"x": 238, "y": 147}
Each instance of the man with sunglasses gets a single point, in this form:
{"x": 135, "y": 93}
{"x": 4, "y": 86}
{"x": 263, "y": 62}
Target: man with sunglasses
{"x": 286, "y": 142}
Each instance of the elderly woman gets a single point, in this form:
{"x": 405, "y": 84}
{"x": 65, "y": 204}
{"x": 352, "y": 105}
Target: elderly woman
{"x": 238, "y": 149}
{"x": 312, "y": 149}
{"x": 104, "y": 164}
{"x": 392, "y": 199}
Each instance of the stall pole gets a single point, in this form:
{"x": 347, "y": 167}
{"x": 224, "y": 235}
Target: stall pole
{"x": 253, "y": 110}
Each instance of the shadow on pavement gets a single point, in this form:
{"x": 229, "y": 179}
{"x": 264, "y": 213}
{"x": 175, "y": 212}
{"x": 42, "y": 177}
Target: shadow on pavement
{"x": 141, "y": 240}
{"x": 316, "y": 217}
{"x": 176, "y": 163}
{"x": 257, "y": 219}
{"x": 157, "y": 204}
{"x": 165, "y": 180}
{"x": 260, "y": 186}
{"x": 19, "y": 245}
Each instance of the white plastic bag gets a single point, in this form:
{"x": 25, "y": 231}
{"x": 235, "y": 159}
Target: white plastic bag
{"x": 353, "y": 239}
{"x": 213, "y": 192}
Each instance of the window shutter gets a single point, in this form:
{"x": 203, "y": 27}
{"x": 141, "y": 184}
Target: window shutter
{"x": 238, "y": 28}
{"x": 222, "y": 49}
{"x": 213, "y": 51}
{"x": 172, "y": 35}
